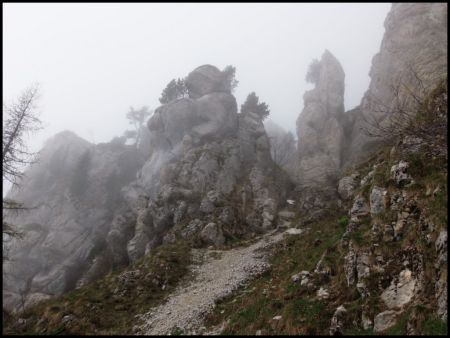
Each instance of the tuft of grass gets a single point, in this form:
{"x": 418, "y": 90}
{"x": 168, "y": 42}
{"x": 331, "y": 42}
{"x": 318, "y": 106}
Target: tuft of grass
{"x": 343, "y": 221}
{"x": 434, "y": 326}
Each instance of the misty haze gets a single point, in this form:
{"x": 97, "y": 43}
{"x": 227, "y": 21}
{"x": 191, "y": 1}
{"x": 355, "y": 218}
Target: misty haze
{"x": 244, "y": 169}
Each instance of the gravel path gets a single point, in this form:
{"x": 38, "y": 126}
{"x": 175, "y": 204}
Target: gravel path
{"x": 214, "y": 278}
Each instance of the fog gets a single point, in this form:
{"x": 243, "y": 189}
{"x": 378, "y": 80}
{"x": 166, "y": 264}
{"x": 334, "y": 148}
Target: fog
{"x": 94, "y": 61}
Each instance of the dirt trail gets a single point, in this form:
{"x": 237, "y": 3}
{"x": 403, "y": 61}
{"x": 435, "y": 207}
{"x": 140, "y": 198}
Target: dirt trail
{"x": 216, "y": 275}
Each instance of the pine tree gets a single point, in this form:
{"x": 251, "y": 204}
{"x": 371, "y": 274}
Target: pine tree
{"x": 229, "y": 78}
{"x": 252, "y": 104}
{"x": 175, "y": 89}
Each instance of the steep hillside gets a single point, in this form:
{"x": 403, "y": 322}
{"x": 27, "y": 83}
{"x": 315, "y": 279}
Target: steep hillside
{"x": 208, "y": 177}
{"x": 74, "y": 193}
{"x": 413, "y": 56}
{"x": 189, "y": 235}
{"x": 375, "y": 265}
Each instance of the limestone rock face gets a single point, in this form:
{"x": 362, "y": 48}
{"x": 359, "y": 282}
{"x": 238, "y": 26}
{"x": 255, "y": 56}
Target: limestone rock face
{"x": 400, "y": 293}
{"x": 204, "y": 80}
{"x": 336, "y": 321}
{"x": 201, "y": 151}
{"x": 441, "y": 284}
{"x": 359, "y": 208}
{"x": 320, "y": 134}
{"x": 385, "y": 320}
{"x": 377, "y": 200}
{"x": 399, "y": 173}
{"x": 75, "y": 189}
{"x": 212, "y": 234}
{"x": 415, "y": 37}
{"x": 347, "y": 185}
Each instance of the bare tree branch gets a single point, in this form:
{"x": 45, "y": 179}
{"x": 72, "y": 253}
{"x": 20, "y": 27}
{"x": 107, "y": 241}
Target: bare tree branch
{"x": 19, "y": 120}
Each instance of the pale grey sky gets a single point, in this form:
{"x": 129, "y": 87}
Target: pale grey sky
{"x": 95, "y": 60}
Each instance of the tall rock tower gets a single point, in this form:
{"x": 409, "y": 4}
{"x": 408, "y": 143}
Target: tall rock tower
{"x": 319, "y": 130}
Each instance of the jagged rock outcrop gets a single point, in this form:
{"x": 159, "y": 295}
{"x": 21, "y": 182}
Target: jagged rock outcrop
{"x": 415, "y": 42}
{"x": 441, "y": 284}
{"x": 204, "y": 80}
{"x": 385, "y": 320}
{"x": 336, "y": 325}
{"x": 208, "y": 163}
{"x": 208, "y": 176}
{"x": 319, "y": 131}
{"x": 400, "y": 292}
{"x": 414, "y": 47}
{"x": 74, "y": 190}
{"x": 347, "y": 185}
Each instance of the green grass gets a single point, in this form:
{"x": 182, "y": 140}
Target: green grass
{"x": 98, "y": 309}
{"x": 343, "y": 221}
{"x": 275, "y": 294}
{"x": 434, "y": 326}
{"x": 359, "y": 235}
{"x": 305, "y": 310}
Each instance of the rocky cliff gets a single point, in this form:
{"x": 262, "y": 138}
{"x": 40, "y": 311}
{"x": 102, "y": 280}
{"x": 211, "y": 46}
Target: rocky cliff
{"x": 412, "y": 58}
{"x": 209, "y": 178}
{"x": 210, "y": 171}
{"x": 375, "y": 262}
{"x": 320, "y": 134}
{"x": 74, "y": 191}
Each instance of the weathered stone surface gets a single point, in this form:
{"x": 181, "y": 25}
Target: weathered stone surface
{"x": 415, "y": 37}
{"x": 399, "y": 228}
{"x": 294, "y": 231}
{"x": 204, "y": 80}
{"x": 322, "y": 293}
{"x": 367, "y": 178}
{"x": 362, "y": 290}
{"x": 385, "y": 320}
{"x": 142, "y": 232}
{"x": 303, "y": 277}
{"x": 319, "y": 132}
{"x": 400, "y": 292}
{"x": 191, "y": 229}
{"x": 360, "y": 207}
{"x": 346, "y": 186}
{"x": 336, "y": 321}
{"x": 35, "y": 298}
{"x": 212, "y": 234}
{"x": 350, "y": 266}
{"x": 362, "y": 265}
{"x": 210, "y": 201}
{"x": 75, "y": 189}
{"x": 399, "y": 173}
{"x": 377, "y": 196}
{"x": 285, "y": 214}
{"x": 441, "y": 247}
{"x": 89, "y": 218}
{"x": 441, "y": 284}
{"x": 411, "y": 144}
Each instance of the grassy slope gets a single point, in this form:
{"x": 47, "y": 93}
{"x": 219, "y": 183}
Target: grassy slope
{"x": 98, "y": 309}
{"x": 274, "y": 294}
